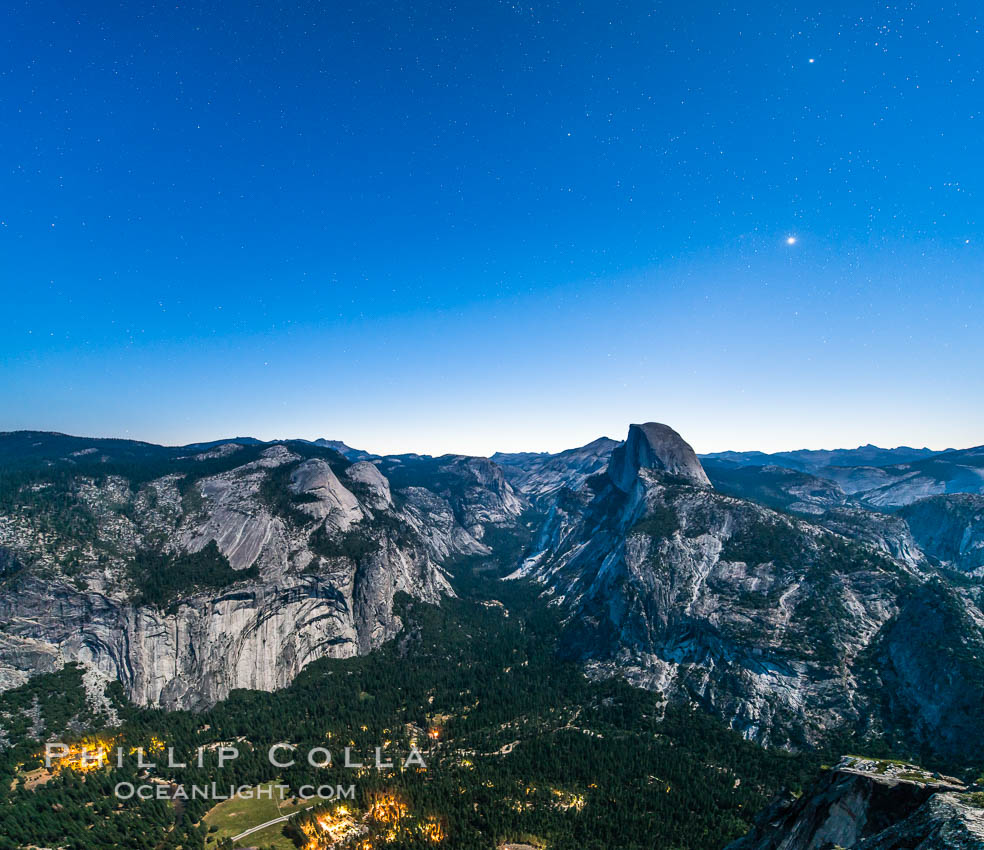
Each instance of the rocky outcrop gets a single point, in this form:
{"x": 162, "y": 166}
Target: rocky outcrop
{"x": 945, "y": 821}
{"x": 659, "y": 447}
{"x": 947, "y": 472}
{"x": 858, "y": 480}
{"x": 377, "y": 488}
{"x": 327, "y": 498}
{"x": 344, "y": 450}
{"x": 940, "y": 531}
{"x": 871, "y": 805}
{"x": 21, "y": 658}
{"x": 433, "y": 518}
{"x": 484, "y": 497}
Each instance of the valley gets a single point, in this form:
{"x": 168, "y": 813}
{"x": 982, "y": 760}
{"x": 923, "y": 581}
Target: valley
{"x": 597, "y": 649}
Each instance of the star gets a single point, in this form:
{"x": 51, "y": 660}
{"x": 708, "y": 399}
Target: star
{"x": 790, "y": 240}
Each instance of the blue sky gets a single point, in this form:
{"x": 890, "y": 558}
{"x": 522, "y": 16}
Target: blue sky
{"x": 490, "y": 226}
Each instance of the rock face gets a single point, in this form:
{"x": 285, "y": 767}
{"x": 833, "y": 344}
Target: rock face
{"x": 868, "y": 805}
{"x": 659, "y": 447}
{"x": 323, "y": 546}
{"x": 329, "y": 500}
{"x": 253, "y": 636}
{"x": 376, "y": 486}
{"x": 887, "y": 532}
{"x": 949, "y": 529}
{"x": 481, "y": 495}
{"x": 474, "y": 487}
{"x": 21, "y": 658}
{"x": 232, "y": 515}
{"x": 948, "y": 472}
{"x": 939, "y": 531}
{"x": 928, "y": 668}
{"x": 944, "y": 822}
{"x": 541, "y": 476}
{"x": 891, "y": 507}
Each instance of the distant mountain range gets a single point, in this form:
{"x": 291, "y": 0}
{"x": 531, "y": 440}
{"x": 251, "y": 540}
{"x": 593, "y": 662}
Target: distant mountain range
{"x": 810, "y": 460}
{"x": 876, "y": 478}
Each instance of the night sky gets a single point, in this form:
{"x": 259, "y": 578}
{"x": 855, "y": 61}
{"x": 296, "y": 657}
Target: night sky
{"x": 469, "y": 227}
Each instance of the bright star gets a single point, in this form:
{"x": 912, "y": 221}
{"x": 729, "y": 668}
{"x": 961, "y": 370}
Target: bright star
{"x": 790, "y": 240}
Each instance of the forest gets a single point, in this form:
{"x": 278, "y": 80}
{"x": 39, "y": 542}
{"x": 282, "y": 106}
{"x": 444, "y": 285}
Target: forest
{"x": 518, "y": 745}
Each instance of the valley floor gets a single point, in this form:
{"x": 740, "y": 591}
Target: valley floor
{"x": 519, "y": 747}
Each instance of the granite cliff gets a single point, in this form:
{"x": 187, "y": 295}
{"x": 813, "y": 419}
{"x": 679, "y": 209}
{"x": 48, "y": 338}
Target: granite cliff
{"x": 869, "y": 804}
{"x": 300, "y": 555}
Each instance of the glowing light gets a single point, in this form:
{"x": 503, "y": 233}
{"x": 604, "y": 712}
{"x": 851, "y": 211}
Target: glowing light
{"x": 433, "y": 830}
{"x": 790, "y": 240}
{"x": 87, "y": 755}
{"x": 337, "y": 826}
{"x": 387, "y": 808}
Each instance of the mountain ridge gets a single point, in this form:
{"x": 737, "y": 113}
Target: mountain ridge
{"x": 665, "y": 579}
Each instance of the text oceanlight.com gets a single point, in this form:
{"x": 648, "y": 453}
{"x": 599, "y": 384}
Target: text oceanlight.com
{"x": 166, "y": 791}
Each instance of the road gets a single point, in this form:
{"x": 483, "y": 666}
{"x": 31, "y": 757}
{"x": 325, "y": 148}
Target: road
{"x": 260, "y": 826}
